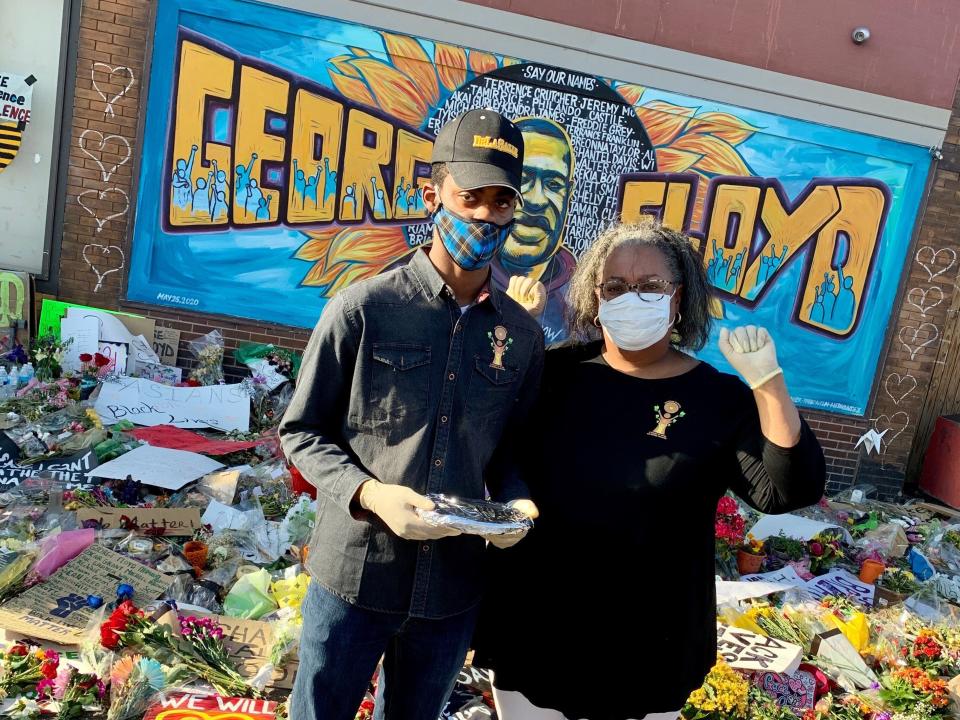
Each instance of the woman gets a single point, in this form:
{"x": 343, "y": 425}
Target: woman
{"x": 606, "y": 610}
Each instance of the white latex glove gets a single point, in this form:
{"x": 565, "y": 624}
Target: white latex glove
{"x": 396, "y": 506}
{"x": 529, "y": 293}
{"x": 752, "y": 353}
{"x": 528, "y": 508}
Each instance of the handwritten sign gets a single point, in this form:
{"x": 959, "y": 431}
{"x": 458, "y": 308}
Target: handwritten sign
{"x": 146, "y": 521}
{"x": 160, "y": 467}
{"x": 143, "y": 402}
{"x": 166, "y": 344}
{"x": 210, "y": 707}
{"x": 72, "y": 469}
{"x": 797, "y": 691}
{"x": 841, "y": 583}
{"x": 744, "y": 650}
{"x": 57, "y": 609}
{"x": 159, "y": 373}
{"x": 786, "y": 574}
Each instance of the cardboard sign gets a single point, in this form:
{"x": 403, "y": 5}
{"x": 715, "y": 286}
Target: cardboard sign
{"x": 220, "y": 407}
{"x": 158, "y": 373}
{"x": 181, "y": 522}
{"x": 166, "y": 344}
{"x": 57, "y": 609}
{"x": 744, "y": 650}
{"x": 210, "y": 707}
{"x": 54, "y": 310}
{"x": 159, "y": 467}
{"x": 841, "y": 583}
{"x": 72, "y": 469}
{"x": 797, "y": 691}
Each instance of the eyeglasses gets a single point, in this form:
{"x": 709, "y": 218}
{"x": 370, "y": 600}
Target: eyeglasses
{"x": 652, "y": 290}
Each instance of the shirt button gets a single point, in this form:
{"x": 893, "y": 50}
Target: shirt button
{"x": 438, "y": 462}
{"x": 451, "y": 376}
{"x": 443, "y": 418}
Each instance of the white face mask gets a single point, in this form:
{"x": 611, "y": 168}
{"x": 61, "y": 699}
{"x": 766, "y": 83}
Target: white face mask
{"x": 633, "y": 323}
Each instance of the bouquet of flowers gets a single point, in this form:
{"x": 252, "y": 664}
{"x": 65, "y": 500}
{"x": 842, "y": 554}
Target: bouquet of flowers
{"x": 723, "y": 696}
{"x": 898, "y": 580}
{"x": 908, "y": 688}
{"x": 134, "y": 682}
{"x": 38, "y": 398}
{"x": 94, "y": 367}
{"x": 209, "y": 353}
{"x": 825, "y": 551}
{"x": 729, "y": 528}
{"x": 928, "y": 651}
{"x": 21, "y": 669}
{"x": 78, "y": 695}
{"x": 47, "y": 355}
{"x": 198, "y": 648}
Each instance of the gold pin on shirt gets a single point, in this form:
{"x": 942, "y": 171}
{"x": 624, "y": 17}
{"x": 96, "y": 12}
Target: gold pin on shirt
{"x": 499, "y": 343}
{"x": 665, "y": 418}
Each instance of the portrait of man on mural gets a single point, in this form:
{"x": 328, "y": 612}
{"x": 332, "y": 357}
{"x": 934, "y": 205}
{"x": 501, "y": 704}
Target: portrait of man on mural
{"x": 535, "y": 246}
{"x": 415, "y": 382}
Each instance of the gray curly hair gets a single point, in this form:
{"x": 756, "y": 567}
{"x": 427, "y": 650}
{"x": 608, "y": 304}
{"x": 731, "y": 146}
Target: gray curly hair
{"x": 685, "y": 264}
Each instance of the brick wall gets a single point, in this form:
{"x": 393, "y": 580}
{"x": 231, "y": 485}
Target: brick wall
{"x": 96, "y": 242}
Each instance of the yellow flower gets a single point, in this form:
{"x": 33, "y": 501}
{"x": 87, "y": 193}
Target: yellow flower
{"x": 94, "y": 418}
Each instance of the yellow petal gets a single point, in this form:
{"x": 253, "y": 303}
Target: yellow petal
{"x": 630, "y": 92}
{"x": 358, "y": 52}
{"x": 451, "y": 62}
{"x": 672, "y": 160}
{"x": 482, "y": 62}
{"x": 508, "y": 61}
{"x": 409, "y": 57}
{"x": 663, "y": 120}
{"x": 718, "y": 156}
{"x": 349, "y": 255}
{"x": 356, "y": 90}
{"x": 722, "y": 125}
{"x": 395, "y": 93}
{"x": 342, "y": 63}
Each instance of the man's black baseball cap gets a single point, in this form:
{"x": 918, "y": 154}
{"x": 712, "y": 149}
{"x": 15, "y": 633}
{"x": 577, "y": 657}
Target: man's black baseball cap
{"x": 481, "y": 148}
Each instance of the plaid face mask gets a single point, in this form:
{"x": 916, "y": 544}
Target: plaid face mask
{"x": 471, "y": 244}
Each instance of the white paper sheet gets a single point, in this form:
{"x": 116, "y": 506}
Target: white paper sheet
{"x": 735, "y": 591}
{"x": 222, "y": 407}
{"x": 85, "y": 335}
{"x": 160, "y": 467}
{"x": 792, "y": 526}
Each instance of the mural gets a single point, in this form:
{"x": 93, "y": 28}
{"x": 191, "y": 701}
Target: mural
{"x": 280, "y": 166}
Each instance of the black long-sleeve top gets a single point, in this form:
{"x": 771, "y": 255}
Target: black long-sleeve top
{"x": 606, "y": 610}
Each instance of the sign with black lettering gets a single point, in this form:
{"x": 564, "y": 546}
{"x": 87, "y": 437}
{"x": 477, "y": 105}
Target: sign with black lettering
{"x": 71, "y": 469}
{"x": 16, "y": 94}
{"x": 744, "y": 650}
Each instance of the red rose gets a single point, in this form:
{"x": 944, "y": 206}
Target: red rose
{"x": 932, "y": 651}
{"x": 48, "y": 669}
{"x": 18, "y": 650}
{"x": 101, "y": 360}
{"x": 86, "y": 357}
{"x": 816, "y": 549}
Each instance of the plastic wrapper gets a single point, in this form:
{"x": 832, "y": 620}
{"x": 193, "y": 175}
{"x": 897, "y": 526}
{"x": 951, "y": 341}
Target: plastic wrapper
{"x": 249, "y": 598}
{"x": 137, "y": 683}
{"x": 184, "y": 590}
{"x": 298, "y": 525}
{"x": 888, "y": 540}
{"x": 286, "y": 643}
{"x": 57, "y": 550}
{"x": 14, "y": 567}
{"x": 475, "y": 517}
{"x": 289, "y": 593}
{"x": 283, "y": 362}
{"x": 208, "y": 350}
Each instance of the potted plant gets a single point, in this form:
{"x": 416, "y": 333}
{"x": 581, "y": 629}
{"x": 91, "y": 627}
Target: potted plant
{"x": 825, "y": 552}
{"x": 750, "y": 556}
{"x": 782, "y": 550}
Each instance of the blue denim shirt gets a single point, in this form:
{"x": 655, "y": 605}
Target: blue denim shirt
{"x": 397, "y": 385}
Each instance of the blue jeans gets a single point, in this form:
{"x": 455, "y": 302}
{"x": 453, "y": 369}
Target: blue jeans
{"x": 341, "y": 645}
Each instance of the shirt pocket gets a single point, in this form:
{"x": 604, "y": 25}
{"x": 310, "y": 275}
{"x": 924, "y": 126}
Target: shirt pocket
{"x": 399, "y": 388}
{"x": 492, "y": 393}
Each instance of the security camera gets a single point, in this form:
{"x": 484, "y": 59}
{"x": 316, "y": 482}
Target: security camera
{"x": 860, "y": 35}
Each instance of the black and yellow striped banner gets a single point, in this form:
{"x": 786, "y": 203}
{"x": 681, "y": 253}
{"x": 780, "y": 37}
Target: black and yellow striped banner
{"x": 10, "y": 138}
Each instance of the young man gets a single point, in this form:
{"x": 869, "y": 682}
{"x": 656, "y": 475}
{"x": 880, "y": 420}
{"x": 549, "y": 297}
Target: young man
{"x": 414, "y": 382}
